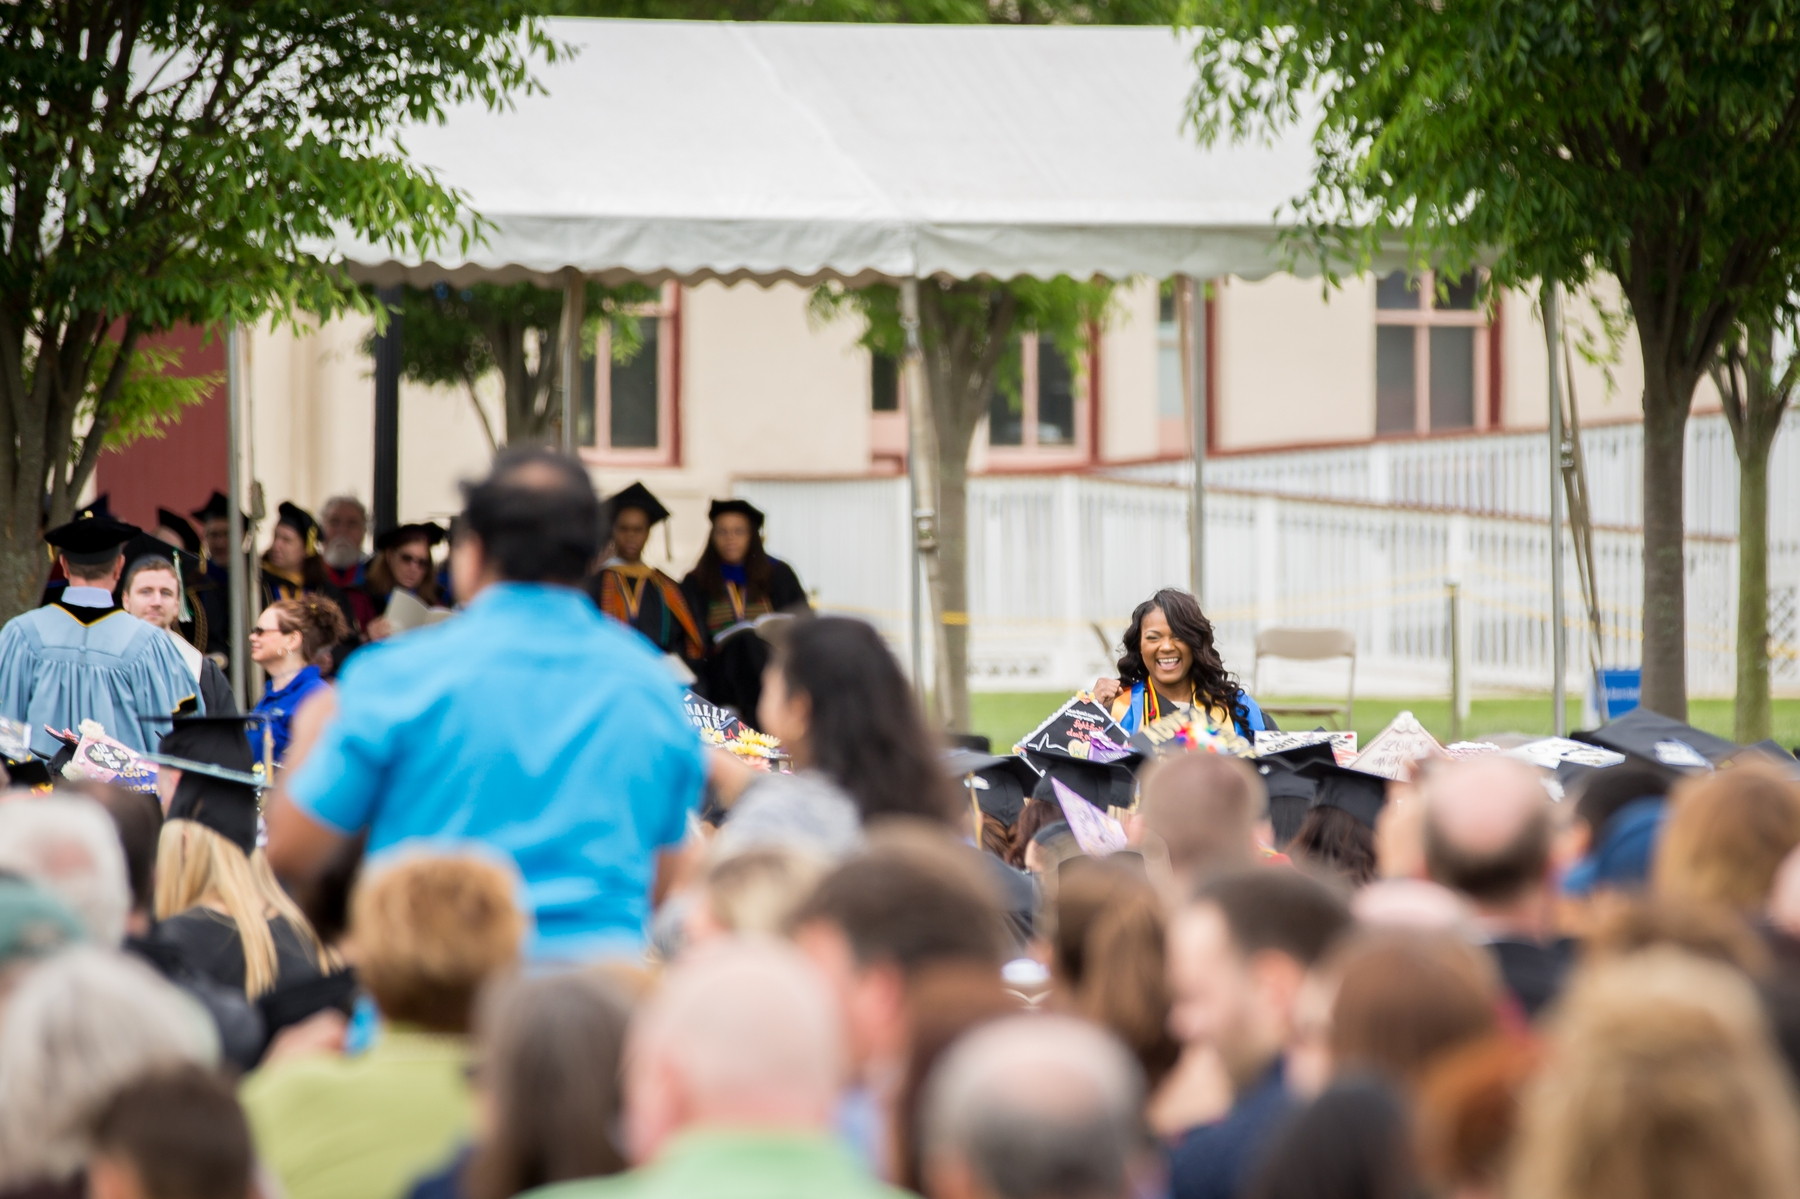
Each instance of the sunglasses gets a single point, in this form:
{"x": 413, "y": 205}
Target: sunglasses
{"x": 414, "y": 560}
{"x": 267, "y": 632}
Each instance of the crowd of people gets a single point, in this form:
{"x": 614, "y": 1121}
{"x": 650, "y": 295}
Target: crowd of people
{"x": 504, "y": 924}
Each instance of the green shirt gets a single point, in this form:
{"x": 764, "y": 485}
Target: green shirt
{"x": 713, "y": 1164}
{"x": 362, "y": 1127}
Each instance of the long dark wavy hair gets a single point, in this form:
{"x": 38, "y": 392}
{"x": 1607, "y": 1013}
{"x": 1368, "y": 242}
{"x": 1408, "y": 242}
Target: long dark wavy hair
{"x": 708, "y": 572}
{"x": 1212, "y": 682}
{"x": 866, "y": 732}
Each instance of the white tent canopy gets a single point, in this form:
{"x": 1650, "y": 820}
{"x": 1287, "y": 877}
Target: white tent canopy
{"x": 858, "y": 152}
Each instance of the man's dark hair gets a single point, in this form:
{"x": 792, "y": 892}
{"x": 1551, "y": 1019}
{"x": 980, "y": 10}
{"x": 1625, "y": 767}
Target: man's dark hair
{"x": 1268, "y": 907}
{"x": 912, "y": 901}
{"x": 181, "y": 1130}
{"x": 537, "y": 517}
{"x": 1492, "y": 876}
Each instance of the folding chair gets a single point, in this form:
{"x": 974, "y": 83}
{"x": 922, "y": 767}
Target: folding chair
{"x": 1309, "y": 645}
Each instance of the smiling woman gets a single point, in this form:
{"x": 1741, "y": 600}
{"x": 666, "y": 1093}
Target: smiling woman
{"x": 1170, "y": 665}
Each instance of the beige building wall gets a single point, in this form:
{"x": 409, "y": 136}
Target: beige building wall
{"x": 1294, "y": 365}
{"x": 1129, "y": 420}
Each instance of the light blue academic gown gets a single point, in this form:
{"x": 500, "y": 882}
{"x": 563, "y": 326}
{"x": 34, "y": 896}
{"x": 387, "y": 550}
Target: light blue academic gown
{"x": 83, "y": 659}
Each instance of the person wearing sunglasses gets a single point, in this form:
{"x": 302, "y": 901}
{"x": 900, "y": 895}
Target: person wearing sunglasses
{"x": 402, "y": 562}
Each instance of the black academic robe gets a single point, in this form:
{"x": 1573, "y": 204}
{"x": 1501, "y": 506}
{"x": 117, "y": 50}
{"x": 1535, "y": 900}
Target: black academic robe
{"x": 731, "y": 675}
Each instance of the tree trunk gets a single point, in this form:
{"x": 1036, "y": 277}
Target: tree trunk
{"x": 1667, "y": 397}
{"x": 24, "y": 565}
{"x": 1753, "y": 720}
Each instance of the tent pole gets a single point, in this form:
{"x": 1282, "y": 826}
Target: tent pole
{"x": 574, "y": 314}
{"x": 237, "y": 580}
{"x": 387, "y": 413}
{"x": 1559, "y": 633}
{"x": 1191, "y": 307}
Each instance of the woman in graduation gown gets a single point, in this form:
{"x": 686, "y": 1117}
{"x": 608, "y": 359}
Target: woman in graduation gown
{"x": 734, "y": 584}
{"x": 1170, "y": 666}
{"x": 217, "y": 907}
{"x": 633, "y": 592}
{"x": 291, "y": 566}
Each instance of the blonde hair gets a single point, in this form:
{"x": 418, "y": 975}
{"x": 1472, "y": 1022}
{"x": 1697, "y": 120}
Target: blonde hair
{"x": 757, "y": 890}
{"x": 195, "y": 865}
{"x": 1661, "y": 1080}
{"x": 428, "y": 930}
{"x": 1726, "y": 835}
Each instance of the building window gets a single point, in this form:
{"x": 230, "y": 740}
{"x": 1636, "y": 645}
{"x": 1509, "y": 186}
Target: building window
{"x": 1431, "y": 355}
{"x": 627, "y": 410}
{"x": 1046, "y": 414}
{"x": 884, "y": 382}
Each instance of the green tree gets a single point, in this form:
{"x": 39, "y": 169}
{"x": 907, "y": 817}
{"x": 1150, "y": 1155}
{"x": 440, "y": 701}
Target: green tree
{"x": 969, "y": 336}
{"x": 168, "y": 163}
{"x": 1756, "y": 390}
{"x": 456, "y": 336}
{"x": 1548, "y": 140}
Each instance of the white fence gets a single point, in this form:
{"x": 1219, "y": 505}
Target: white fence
{"x": 1056, "y": 563}
{"x": 1506, "y": 474}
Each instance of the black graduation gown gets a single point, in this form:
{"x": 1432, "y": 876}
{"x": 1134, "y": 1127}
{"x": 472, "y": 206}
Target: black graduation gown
{"x": 732, "y": 674}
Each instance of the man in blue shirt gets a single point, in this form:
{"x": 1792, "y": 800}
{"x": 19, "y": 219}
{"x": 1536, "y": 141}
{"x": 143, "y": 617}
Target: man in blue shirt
{"x": 530, "y": 722}
{"x": 1238, "y": 953}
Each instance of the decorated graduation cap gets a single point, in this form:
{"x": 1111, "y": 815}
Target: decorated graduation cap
{"x": 91, "y": 540}
{"x": 743, "y": 508}
{"x": 1103, "y": 784}
{"x": 1082, "y": 745}
{"x": 217, "y": 507}
{"x": 300, "y": 521}
{"x": 179, "y": 525}
{"x": 218, "y": 785}
{"x": 1357, "y": 792}
{"x": 1000, "y": 785}
{"x": 640, "y": 497}
{"x": 430, "y": 534}
{"x": 1653, "y": 737}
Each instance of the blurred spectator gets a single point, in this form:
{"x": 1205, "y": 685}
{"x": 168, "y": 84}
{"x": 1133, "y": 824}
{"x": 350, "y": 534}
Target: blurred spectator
{"x": 1600, "y": 796}
{"x": 1039, "y": 1107}
{"x": 1467, "y": 1113}
{"x": 1038, "y": 815}
{"x": 426, "y": 933}
{"x": 1202, "y": 814}
{"x": 33, "y": 925}
{"x": 1726, "y": 835}
{"x": 1333, "y": 840}
{"x": 1487, "y": 837}
{"x": 874, "y": 925}
{"x": 947, "y": 1003}
{"x": 177, "y": 1133}
{"x": 1107, "y": 957}
{"x": 756, "y": 891}
{"x": 1659, "y": 1079}
{"x": 68, "y": 845}
{"x": 1352, "y": 1142}
{"x": 75, "y": 1029}
{"x": 735, "y": 1099}
{"x": 529, "y": 692}
{"x": 1238, "y": 953}
{"x": 549, "y": 1058}
{"x": 1413, "y": 903}
{"x": 1404, "y": 997}
{"x": 849, "y": 770}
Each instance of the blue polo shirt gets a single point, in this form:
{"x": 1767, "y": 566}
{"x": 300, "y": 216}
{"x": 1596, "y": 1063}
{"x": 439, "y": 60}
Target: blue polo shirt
{"x": 530, "y": 723}
{"x": 279, "y": 707}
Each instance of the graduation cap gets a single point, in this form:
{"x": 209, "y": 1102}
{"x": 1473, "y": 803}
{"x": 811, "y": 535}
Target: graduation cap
{"x": 430, "y": 534}
{"x": 217, "y": 787}
{"x": 1357, "y": 792}
{"x": 179, "y": 525}
{"x": 1103, "y": 784}
{"x": 999, "y": 784}
{"x": 638, "y": 496}
{"x": 1292, "y": 786}
{"x": 300, "y": 521}
{"x": 743, "y": 508}
{"x": 1653, "y": 737}
{"x": 91, "y": 540}
{"x": 101, "y": 507}
{"x": 217, "y": 507}
{"x": 1082, "y": 730}
{"x": 31, "y": 771}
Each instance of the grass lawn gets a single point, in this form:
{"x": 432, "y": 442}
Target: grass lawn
{"x": 1007, "y": 716}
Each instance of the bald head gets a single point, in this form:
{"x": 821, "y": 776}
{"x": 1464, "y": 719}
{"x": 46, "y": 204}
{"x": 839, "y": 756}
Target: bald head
{"x": 1487, "y": 828}
{"x": 742, "y": 1034}
{"x": 1204, "y": 809}
{"x": 1033, "y": 1107}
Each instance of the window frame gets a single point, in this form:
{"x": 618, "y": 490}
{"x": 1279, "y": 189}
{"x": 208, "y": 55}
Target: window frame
{"x": 1030, "y": 454}
{"x": 1483, "y": 318}
{"x": 667, "y": 451}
